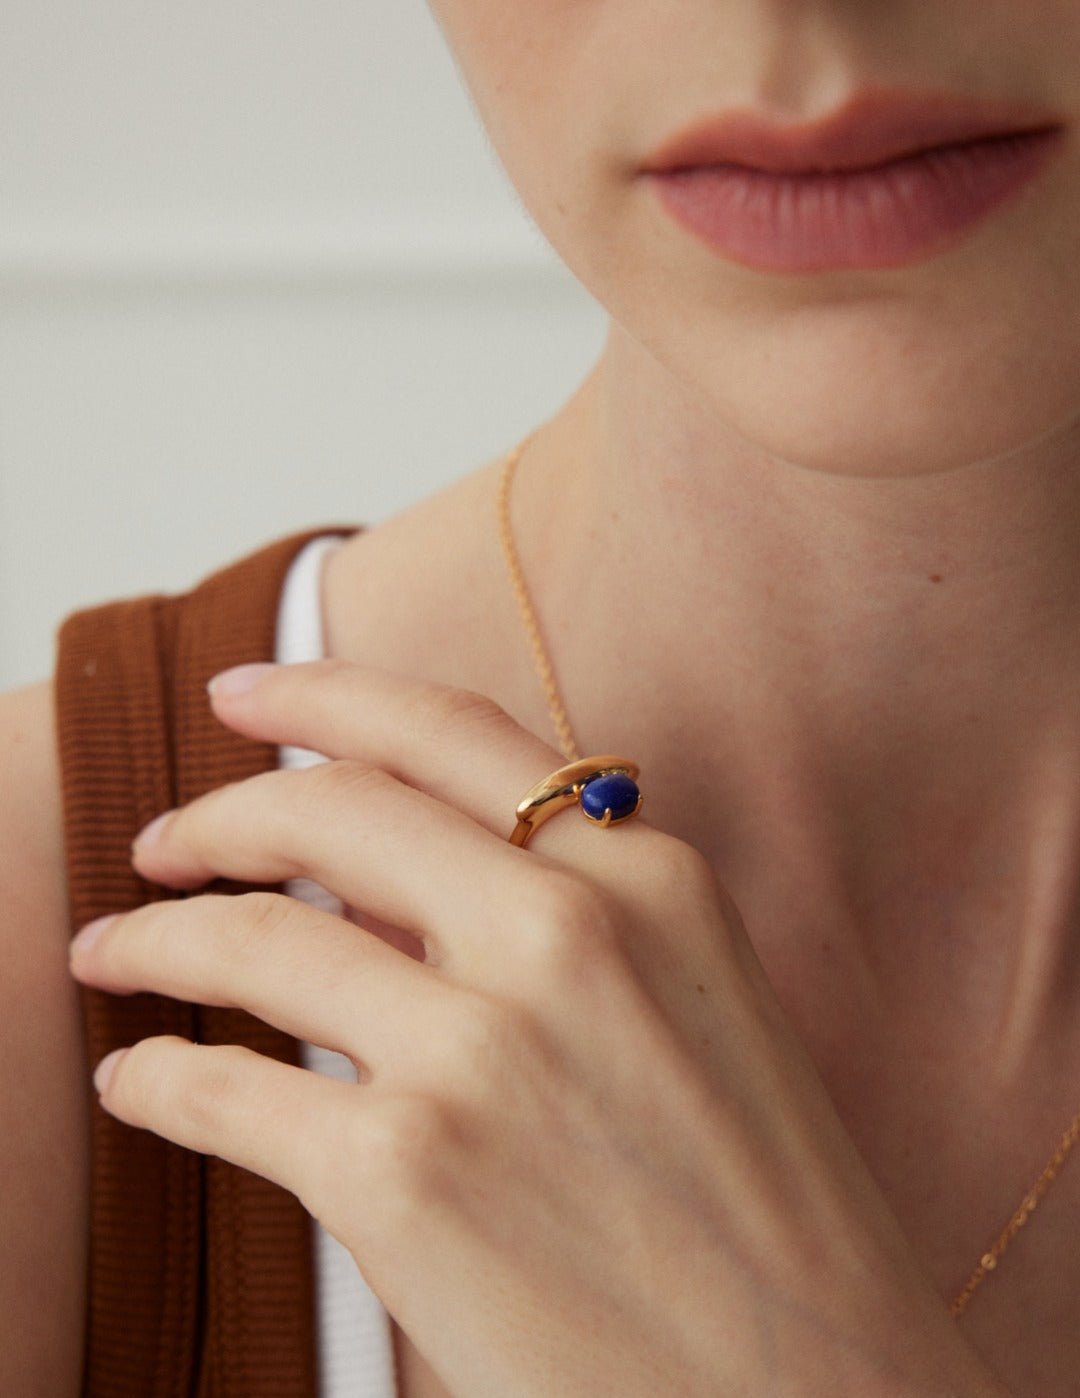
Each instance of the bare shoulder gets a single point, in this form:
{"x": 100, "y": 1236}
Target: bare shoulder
{"x": 30, "y": 783}
{"x": 403, "y": 593}
{"x": 43, "y": 1073}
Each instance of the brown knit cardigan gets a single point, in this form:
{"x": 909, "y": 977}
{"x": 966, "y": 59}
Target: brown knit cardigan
{"x": 201, "y": 1278}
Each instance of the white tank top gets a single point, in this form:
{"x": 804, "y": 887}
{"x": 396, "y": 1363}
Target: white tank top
{"x": 356, "y": 1356}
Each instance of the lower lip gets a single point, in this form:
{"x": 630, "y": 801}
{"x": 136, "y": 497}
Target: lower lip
{"x": 881, "y": 216}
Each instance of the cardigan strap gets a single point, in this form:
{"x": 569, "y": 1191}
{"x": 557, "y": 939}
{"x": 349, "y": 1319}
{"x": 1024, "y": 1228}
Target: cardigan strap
{"x": 200, "y": 1276}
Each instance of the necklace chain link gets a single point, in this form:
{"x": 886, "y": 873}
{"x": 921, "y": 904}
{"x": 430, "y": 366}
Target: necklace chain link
{"x": 555, "y": 704}
{"x": 989, "y": 1260}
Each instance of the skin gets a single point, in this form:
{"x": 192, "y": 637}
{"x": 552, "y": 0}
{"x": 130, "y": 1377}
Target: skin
{"x": 554, "y": 1073}
{"x": 852, "y": 508}
{"x": 837, "y": 489}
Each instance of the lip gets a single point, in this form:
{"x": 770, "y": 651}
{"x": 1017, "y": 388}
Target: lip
{"x": 873, "y": 126}
{"x": 883, "y": 181}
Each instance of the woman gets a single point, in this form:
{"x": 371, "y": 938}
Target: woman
{"x": 733, "y": 1095}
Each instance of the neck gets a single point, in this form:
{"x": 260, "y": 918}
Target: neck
{"x": 878, "y": 680}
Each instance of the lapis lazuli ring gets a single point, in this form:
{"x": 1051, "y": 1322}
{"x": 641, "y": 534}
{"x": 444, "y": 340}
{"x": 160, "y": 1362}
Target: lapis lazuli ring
{"x": 603, "y": 787}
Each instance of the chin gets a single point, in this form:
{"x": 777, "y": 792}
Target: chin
{"x": 842, "y": 426}
{"x": 878, "y": 390}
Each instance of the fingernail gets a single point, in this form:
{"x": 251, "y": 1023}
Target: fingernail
{"x": 149, "y": 833}
{"x": 241, "y": 679}
{"x": 85, "y": 939}
{"x": 104, "y": 1070}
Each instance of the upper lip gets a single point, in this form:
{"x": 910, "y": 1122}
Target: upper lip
{"x": 873, "y": 126}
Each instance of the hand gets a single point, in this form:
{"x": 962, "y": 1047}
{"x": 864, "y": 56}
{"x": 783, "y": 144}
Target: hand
{"x": 586, "y": 1153}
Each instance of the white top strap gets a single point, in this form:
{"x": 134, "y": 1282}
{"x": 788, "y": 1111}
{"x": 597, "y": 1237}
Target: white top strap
{"x": 356, "y": 1356}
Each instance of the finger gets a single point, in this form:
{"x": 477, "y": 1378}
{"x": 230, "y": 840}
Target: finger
{"x": 457, "y": 745}
{"x": 313, "y": 975}
{"x": 384, "y": 848}
{"x": 287, "y": 1124}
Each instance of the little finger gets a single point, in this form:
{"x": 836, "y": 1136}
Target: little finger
{"x": 287, "y": 1124}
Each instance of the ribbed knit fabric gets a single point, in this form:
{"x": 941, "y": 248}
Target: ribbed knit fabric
{"x": 200, "y": 1280}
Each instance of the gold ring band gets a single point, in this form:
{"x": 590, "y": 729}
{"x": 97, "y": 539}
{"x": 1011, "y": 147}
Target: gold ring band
{"x": 614, "y": 796}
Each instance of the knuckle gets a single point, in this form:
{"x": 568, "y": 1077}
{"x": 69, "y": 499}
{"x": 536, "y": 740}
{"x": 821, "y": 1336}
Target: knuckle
{"x": 142, "y": 938}
{"x": 169, "y": 1079}
{"x": 203, "y": 1087}
{"x": 253, "y": 820}
{"x": 693, "y": 894}
{"x": 406, "y": 1145}
{"x": 488, "y": 1035}
{"x": 330, "y": 668}
{"x": 328, "y": 780}
{"x": 573, "y": 924}
{"x": 256, "y": 917}
{"x": 684, "y": 868}
{"x": 341, "y": 791}
{"x": 438, "y": 709}
{"x": 239, "y": 816}
{"x": 294, "y": 805}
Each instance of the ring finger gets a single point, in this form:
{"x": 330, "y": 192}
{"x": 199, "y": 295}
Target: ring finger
{"x": 313, "y": 975}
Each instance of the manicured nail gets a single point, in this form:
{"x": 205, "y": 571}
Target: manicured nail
{"x": 85, "y": 939}
{"x": 149, "y": 833}
{"x": 104, "y": 1070}
{"x": 241, "y": 679}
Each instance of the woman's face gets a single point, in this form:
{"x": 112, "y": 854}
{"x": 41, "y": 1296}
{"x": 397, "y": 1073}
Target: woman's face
{"x": 967, "y": 353}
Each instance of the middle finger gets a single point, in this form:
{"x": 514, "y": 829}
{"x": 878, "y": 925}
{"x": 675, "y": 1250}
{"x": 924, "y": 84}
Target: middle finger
{"x": 381, "y": 846}
{"x": 455, "y": 744}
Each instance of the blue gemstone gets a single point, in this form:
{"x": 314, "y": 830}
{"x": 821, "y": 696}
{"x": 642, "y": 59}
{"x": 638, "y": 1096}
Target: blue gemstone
{"x": 616, "y": 792}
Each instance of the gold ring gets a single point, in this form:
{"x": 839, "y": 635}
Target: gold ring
{"x": 602, "y": 787}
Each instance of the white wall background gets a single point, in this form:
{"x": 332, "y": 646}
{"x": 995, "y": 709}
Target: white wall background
{"x": 258, "y": 271}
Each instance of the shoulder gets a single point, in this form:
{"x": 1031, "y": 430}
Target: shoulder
{"x": 29, "y": 780}
{"x": 409, "y": 590}
{"x": 31, "y": 832}
{"x": 43, "y": 1093}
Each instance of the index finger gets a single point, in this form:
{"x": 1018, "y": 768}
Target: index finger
{"x": 455, "y": 744}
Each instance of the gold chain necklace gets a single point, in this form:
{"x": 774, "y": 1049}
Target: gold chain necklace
{"x": 989, "y": 1259}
